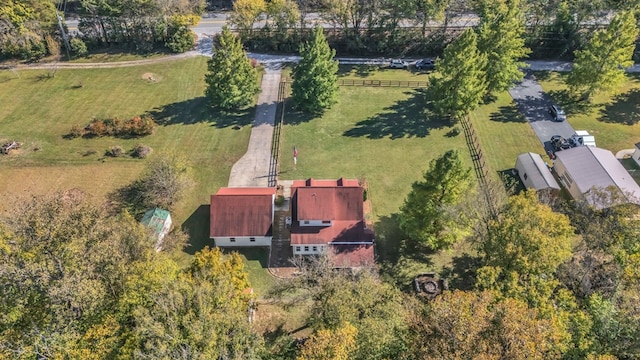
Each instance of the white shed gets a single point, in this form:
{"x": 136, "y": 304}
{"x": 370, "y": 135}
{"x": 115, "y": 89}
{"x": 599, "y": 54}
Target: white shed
{"x": 534, "y": 173}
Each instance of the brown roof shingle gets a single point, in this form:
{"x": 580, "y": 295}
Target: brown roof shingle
{"x": 241, "y": 212}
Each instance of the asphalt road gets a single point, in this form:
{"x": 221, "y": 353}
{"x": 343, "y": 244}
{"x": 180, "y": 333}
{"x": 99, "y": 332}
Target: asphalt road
{"x": 533, "y": 103}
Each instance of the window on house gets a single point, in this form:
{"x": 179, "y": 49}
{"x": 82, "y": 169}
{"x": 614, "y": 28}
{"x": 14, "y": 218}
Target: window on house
{"x": 306, "y": 248}
{"x": 298, "y": 248}
{"x": 232, "y": 239}
{"x": 525, "y": 176}
{"x": 315, "y": 249}
{"x": 252, "y": 239}
{"x": 326, "y": 221}
{"x": 306, "y": 222}
{"x": 569, "y": 179}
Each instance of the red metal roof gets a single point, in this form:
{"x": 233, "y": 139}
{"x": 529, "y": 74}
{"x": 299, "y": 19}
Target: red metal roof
{"x": 247, "y": 191}
{"x": 348, "y": 256}
{"x": 329, "y": 203}
{"x": 326, "y": 183}
{"x": 241, "y": 212}
{"x": 340, "y": 231}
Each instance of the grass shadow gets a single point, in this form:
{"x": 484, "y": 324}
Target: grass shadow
{"x": 259, "y": 254}
{"x": 624, "y": 109}
{"x": 400, "y": 260}
{"x": 198, "y": 110}
{"x": 508, "y": 114}
{"x": 543, "y": 75}
{"x": 357, "y": 70}
{"x": 571, "y": 103}
{"x": 197, "y": 226}
{"x": 461, "y": 275}
{"x": 412, "y": 117}
{"x": 511, "y": 181}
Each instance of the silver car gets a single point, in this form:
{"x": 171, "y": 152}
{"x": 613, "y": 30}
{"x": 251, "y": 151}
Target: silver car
{"x": 398, "y": 64}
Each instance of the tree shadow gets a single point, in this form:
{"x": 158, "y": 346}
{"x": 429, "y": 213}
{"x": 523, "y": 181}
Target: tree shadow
{"x": 197, "y": 226}
{"x": 508, "y": 114}
{"x": 296, "y": 117}
{"x": 400, "y": 259}
{"x": 461, "y": 275}
{"x": 570, "y": 102}
{"x": 128, "y": 198}
{"x": 511, "y": 181}
{"x": 542, "y": 75}
{"x": 412, "y": 117}
{"x": 624, "y": 109}
{"x": 357, "y": 70}
{"x": 198, "y": 110}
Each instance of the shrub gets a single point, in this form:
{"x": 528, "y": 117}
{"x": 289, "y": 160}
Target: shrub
{"x": 76, "y": 131}
{"x": 279, "y": 201}
{"x": 78, "y": 47}
{"x": 134, "y": 127}
{"x": 115, "y": 151}
{"x": 141, "y": 151}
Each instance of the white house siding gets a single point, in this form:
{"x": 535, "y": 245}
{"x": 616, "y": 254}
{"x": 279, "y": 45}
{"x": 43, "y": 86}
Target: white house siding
{"x": 310, "y": 249}
{"x": 165, "y": 228}
{"x": 567, "y": 181}
{"x": 636, "y": 156}
{"x": 315, "y": 222}
{"x": 243, "y": 241}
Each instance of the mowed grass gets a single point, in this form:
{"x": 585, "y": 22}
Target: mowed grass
{"x": 387, "y": 136}
{"x": 614, "y": 119}
{"x": 38, "y": 111}
{"x": 504, "y": 133}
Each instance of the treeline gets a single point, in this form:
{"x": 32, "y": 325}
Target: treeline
{"x": 29, "y": 29}
{"x": 555, "y": 29}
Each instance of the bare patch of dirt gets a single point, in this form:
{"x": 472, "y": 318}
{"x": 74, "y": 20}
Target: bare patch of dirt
{"x": 151, "y": 77}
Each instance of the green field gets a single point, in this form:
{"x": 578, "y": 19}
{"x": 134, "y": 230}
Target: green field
{"x": 388, "y": 136}
{"x": 614, "y": 119}
{"x": 39, "y": 110}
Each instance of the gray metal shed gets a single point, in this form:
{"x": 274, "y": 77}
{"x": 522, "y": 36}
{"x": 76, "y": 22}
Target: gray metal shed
{"x": 534, "y": 173}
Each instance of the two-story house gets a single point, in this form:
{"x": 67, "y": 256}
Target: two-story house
{"x": 328, "y": 216}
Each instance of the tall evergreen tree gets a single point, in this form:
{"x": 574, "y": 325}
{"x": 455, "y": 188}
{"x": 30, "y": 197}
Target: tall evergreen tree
{"x": 500, "y": 38}
{"x": 459, "y": 83}
{"x": 231, "y": 80}
{"x": 601, "y": 65}
{"x": 428, "y": 214}
{"x": 315, "y": 78}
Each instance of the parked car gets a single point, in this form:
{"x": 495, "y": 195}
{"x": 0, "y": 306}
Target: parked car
{"x": 557, "y": 113}
{"x": 559, "y": 143}
{"x": 426, "y": 64}
{"x": 582, "y": 138}
{"x": 398, "y": 64}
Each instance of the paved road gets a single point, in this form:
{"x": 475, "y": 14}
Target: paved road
{"x": 253, "y": 168}
{"x": 533, "y": 103}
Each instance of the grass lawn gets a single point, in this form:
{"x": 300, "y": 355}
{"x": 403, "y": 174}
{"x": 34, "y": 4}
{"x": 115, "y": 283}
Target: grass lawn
{"x": 38, "y": 111}
{"x": 504, "y": 133}
{"x": 387, "y": 136}
{"x": 613, "y": 119}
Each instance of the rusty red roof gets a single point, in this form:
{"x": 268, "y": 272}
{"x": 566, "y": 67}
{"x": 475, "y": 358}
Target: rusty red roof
{"x": 326, "y": 183}
{"x": 349, "y": 256}
{"x": 338, "y": 232}
{"x": 329, "y": 203}
{"x": 241, "y": 212}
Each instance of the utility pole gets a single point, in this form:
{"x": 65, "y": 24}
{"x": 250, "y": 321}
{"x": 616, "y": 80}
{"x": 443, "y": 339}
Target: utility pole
{"x": 65, "y": 37}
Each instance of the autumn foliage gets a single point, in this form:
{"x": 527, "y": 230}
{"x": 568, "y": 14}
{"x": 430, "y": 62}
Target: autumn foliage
{"x": 135, "y": 127}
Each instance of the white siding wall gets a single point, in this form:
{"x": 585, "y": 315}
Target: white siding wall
{"x": 567, "y": 181}
{"x": 243, "y": 241}
{"x": 636, "y": 156}
{"x": 166, "y": 227}
{"x": 309, "y": 249}
{"x": 315, "y": 222}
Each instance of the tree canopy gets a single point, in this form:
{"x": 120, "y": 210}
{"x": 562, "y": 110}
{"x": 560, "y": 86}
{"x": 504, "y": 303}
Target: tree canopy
{"x": 315, "y": 78}
{"x": 601, "y": 65}
{"x": 429, "y": 214}
{"x": 459, "y": 83}
{"x": 231, "y": 81}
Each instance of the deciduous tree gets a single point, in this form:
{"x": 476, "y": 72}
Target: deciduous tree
{"x": 231, "y": 80}
{"x": 338, "y": 344}
{"x": 601, "y": 65}
{"x": 246, "y": 13}
{"x": 315, "y": 78}
{"x": 522, "y": 248}
{"x": 429, "y": 214}
{"x": 459, "y": 83}
{"x": 501, "y": 39}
